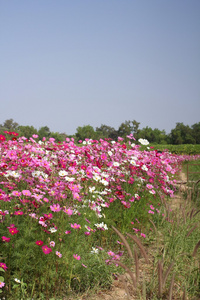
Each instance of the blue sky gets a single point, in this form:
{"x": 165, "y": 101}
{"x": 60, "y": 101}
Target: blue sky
{"x": 66, "y": 64}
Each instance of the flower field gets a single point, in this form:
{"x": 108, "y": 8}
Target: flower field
{"x": 59, "y": 201}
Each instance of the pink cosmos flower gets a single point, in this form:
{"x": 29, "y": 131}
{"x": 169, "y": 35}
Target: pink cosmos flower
{"x": 87, "y": 233}
{"x": 68, "y": 211}
{"x": 11, "y": 226}
{"x": 46, "y": 249}
{"x": 16, "y": 193}
{"x": 55, "y": 207}
{"x": 26, "y": 193}
{"x": 52, "y": 244}
{"x": 68, "y": 232}
{"x": 103, "y": 157}
{"x": 76, "y": 256}
{"x": 76, "y": 226}
{"x": 2, "y": 284}
{"x": 111, "y": 253}
{"x": 143, "y": 235}
{"x": 5, "y": 239}
{"x": 58, "y": 254}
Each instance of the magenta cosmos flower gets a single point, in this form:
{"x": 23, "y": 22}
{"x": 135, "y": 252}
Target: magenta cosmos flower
{"x": 46, "y": 249}
{"x": 3, "y": 266}
{"x": 5, "y": 239}
{"x": 18, "y": 213}
{"x": 39, "y": 243}
{"x": 13, "y": 230}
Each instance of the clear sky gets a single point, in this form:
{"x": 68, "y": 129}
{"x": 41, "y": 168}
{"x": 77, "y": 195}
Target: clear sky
{"x": 69, "y": 63}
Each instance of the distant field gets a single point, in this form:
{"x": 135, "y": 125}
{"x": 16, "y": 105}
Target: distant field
{"x": 180, "y": 149}
{"x": 190, "y": 167}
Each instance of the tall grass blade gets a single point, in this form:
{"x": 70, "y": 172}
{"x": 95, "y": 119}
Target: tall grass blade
{"x": 191, "y": 214}
{"x": 136, "y": 266}
{"x": 167, "y": 273}
{"x": 184, "y": 295}
{"x": 122, "y": 237}
{"x": 154, "y": 226}
{"x": 191, "y": 230}
{"x": 144, "y": 287}
{"x": 196, "y": 248}
{"x": 137, "y": 241}
{"x": 171, "y": 287}
{"x": 160, "y": 278}
{"x": 196, "y": 213}
{"x": 126, "y": 269}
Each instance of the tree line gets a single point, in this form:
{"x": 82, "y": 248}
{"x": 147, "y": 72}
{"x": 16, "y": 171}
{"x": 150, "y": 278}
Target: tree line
{"x": 181, "y": 134}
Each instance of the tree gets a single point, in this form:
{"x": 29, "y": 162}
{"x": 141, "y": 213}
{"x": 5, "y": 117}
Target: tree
{"x": 196, "y": 132}
{"x": 27, "y": 131}
{"x": 105, "y": 131}
{"x": 129, "y": 127}
{"x": 59, "y": 137}
{"x": 86, "y": 131}
{"x": 182, "y": 134}
{"x": 9, "y": 125}
{"x": 44, "y": 132}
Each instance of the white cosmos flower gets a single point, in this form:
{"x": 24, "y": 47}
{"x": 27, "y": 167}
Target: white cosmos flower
{"x": 91, "y": 189}
{"x": 144, "y": 167}
{"x": 116, "y": 164}
{"x": 17, "y": 280}
{"x": 102, "y": 225}
{"x": 95, "y": 250}
{"x": 52, "y": 229}
{"x": 133, "y": 162}
{"x": 62, "y": 173}
{"x": 96, "y": 177}
{"x": 70, "y": 179}
{"x": 143, "y": 142}
{"x": 36, "y": 173}
{"x": 105, "y": 182}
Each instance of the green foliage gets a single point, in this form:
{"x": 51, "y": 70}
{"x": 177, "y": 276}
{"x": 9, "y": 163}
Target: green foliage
{"x": 44, "y": 132}
{"x": 27, "y": 131}
{"x": 181, "y": 134}
{"x": 9, "y": 125}
{"x": 153, "y": 135}
{"x": 105, "y": 131}
{"x": 84, "y": 132}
